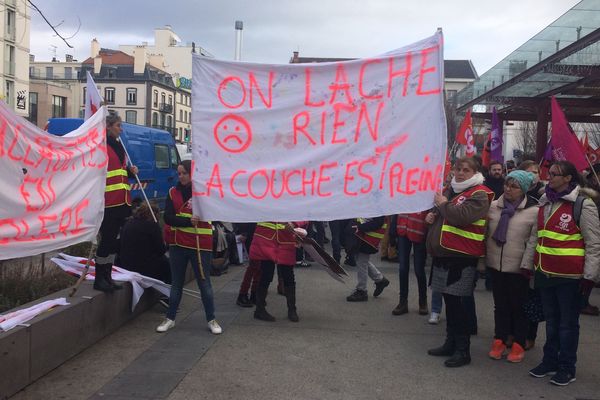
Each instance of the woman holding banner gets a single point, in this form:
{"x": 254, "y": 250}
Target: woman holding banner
{"x": 192, "y": 244}
{"x": 275, "y": 243}
{"x": 117, "y": 205}
{"x": 455, "y": 240}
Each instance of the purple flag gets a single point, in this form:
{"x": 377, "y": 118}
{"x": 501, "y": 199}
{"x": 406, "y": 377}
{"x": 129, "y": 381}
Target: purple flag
{"x": 496, "y": 138}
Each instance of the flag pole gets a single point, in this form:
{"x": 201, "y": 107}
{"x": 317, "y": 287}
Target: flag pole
{"x": 592, "y": 168}
{"x": 85, "y": 271}
{"x": 137, "y": 178}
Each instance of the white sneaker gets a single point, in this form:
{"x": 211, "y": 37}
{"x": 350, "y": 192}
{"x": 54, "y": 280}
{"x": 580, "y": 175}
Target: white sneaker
{"x": 214, "y": 327}
{"x": 166, "y": 325}
{"x": 434, "y": 318}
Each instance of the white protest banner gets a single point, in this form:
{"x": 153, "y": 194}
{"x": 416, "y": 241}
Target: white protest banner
{"x": 52, "y": 187}
{"x": 359, "y": 138}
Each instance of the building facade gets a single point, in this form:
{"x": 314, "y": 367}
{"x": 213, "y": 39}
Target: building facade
{"x": 177, "y": 61}
{"x": 14, "y": 52}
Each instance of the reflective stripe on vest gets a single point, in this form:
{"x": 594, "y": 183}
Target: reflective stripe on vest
{"x": 372, "y": 238}
{"x": 468, "y": 239}
{"x": 190, "y": 237}
{"x": 117, "y": 191}
{"x": 560, "y": 249}
{"x": 274, "y": 231}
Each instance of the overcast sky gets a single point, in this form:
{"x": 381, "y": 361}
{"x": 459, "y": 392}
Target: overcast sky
{"x": 483, "y": 31}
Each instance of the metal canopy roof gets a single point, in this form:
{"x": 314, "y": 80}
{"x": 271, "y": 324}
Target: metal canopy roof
{"x": 562, "y": 60}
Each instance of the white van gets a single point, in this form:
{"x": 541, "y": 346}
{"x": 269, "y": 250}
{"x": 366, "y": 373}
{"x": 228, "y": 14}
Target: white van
{"x": 185, "y": 151}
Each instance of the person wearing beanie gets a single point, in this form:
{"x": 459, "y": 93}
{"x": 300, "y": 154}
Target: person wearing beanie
{"x": 513, "y": 216}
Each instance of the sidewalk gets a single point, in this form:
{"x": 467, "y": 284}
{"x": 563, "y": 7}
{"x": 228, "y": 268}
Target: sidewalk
{"x": 338, "y": 350}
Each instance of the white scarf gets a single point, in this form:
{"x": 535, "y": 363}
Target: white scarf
{"x": 459, "y": 187}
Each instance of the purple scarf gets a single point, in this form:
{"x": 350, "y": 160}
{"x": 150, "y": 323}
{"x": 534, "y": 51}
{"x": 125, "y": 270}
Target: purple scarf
{"x": 553, "y": 196}
{"x": 507, "y": 212}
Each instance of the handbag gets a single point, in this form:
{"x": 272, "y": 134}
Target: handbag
{"x": 533, "y": 308}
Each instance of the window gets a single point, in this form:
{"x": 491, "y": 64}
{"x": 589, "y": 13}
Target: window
{"x": 155, "y": 99}
{"x": 161, "y": 156}
{"x": 10, "y": 25}
{"x": 181, "y": 115}
{"x": 68, "y": 73}
{"x": 170, "y": 100}
{"x": 162, "y": 120}
{"x": 33, "y": 107}
{"x": 109, "y": 95}
{"x": 174, "y": 157}
{"x": 112, "y": 73}
{"x": 169, "y": 121}
{"x": 9, "y": 93}
{"x": 131, "y": 96}
{"x": 83, "y": 98}
{"x": 49, "y": 72}
{"x": 185, "y": 116}
{"x": 450, "y": 94}
{"x": 163, "y": 98}
{"x": 59, "y": 107}
{"x": 131, "y": 117}
{"x": 154, "y": 119}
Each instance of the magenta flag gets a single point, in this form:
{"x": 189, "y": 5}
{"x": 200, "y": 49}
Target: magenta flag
{"x": 496, "y": 139}
{"x": 564, "y": 142}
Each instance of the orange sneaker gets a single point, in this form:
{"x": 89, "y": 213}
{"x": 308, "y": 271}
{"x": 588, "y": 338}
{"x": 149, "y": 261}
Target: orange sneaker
{"x": 517, "y": 353}
{"x": 498, "y": 348}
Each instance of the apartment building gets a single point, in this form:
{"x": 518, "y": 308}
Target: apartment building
{"x": 14, "y": 53}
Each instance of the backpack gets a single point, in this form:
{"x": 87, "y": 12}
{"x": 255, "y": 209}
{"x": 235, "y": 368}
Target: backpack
{"x": 577, "y": 208}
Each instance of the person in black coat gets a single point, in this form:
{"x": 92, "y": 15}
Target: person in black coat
{"x": 143, "y": 247}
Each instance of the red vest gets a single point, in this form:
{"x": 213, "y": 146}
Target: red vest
{"x": 117, "y": 190}
{"x": 560, "y": 247}
{"x": 275, "y": 231}
{"x": 372, "y": 238}
{"x": 412, "y": 226}
{"x": 467, "y": 239}
{"x": 190, "y": 237}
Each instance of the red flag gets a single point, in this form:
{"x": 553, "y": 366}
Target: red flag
{"x": 565, "y": 145}
{"x": 486, "y": 154}
{"x": 447, "y": 166}
{"x": 466, "y": 125}
{"x": 93, "y": 100}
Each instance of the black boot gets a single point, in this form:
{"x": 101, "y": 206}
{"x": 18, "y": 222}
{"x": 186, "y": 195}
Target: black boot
{"x": 445, "y": 350}
{"x": 253, "y": 298}
{"x": 100, "y": 281}
{"x": 462, "y": 354}
{"x": 242, "y": 301}
{"x": 260, "y": 312}
{"x": 108, "y": 272}
{"x": 290, "y": 295}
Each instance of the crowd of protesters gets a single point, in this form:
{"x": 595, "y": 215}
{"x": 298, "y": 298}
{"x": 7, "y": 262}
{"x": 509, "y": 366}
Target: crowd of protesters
{"x": 536, "y": 243}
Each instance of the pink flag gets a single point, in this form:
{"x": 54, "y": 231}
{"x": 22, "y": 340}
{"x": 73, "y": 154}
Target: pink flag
{"x": 93, "y": 100}
{"x": 565, "y": 145}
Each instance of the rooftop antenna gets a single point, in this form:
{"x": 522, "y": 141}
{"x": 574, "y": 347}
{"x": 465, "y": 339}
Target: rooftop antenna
{"x": 239, "y": 26}
{"x": 53, "y": 50}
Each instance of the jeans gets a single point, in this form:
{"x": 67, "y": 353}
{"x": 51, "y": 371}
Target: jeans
{"x": 561, "y": 309}
{"x": 437, "y": 302}
{"x": 336, "y": 244}
{"x": 419, "y": 258}
{"x": 365, "y": 268}
{"x": 180, "y": 256}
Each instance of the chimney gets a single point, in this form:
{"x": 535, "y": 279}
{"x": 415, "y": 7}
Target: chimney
{"x": 32, "y": 58}
{"x": 294, "y": 59}
{"x": 157, "y": 60}
{"x": 97, "y": 65}
{"x": 95, "y": 48}
{"x": 239, "y": 26}
{"x": 139, "y": 57}
{"x": 68, "y": 57}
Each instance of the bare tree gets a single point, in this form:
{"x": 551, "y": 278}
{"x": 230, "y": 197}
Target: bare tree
{"x": 592, "y": 130}
{"x": 525, "y": 136}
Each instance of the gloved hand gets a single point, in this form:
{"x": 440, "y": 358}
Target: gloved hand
{"x": 586, "y": 286}
{"x": 527, "y": 273}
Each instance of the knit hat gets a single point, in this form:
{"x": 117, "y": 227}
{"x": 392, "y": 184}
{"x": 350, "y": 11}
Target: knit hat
{"x": 523, "y": 178}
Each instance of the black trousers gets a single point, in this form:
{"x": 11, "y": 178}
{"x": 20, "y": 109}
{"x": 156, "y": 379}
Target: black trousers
{"x": 286, "y": 272}
{"x": 510, "y": 293}
{"x": 457, "y": 315}
{"x": 109, "y": 234}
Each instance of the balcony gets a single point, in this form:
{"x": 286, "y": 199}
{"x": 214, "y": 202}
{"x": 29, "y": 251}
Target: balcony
{"x": 166, "y": 108}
